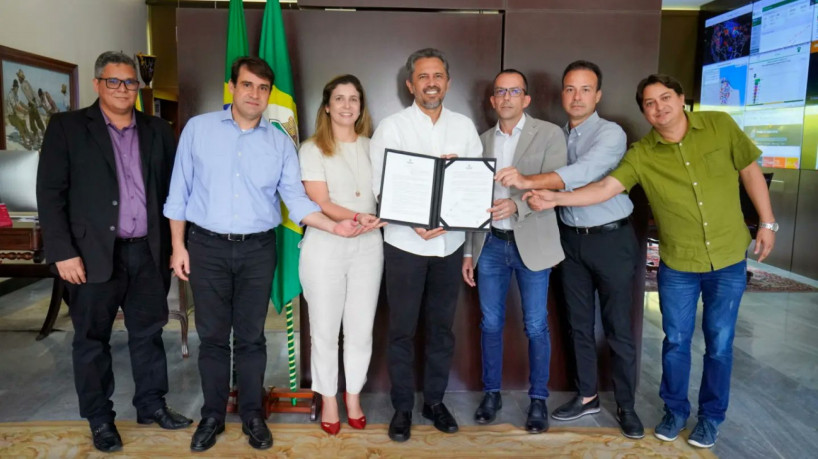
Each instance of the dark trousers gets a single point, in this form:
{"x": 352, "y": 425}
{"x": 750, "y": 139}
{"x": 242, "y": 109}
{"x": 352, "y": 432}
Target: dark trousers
{"x": 137, "y": 287}
{"x": 602, "y": 263}
{"x": 231, "y": 283}
{"x": 416, "y": 283}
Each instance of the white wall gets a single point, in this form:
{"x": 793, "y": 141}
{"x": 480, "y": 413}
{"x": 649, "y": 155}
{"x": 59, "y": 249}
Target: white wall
{"x": 75, "y": 31}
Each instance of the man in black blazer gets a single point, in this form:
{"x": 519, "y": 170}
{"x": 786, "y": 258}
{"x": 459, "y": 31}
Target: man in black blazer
{"x": 104, "y": 173}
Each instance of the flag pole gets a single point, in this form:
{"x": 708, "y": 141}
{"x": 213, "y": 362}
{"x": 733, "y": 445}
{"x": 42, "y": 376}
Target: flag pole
{"x": 282, "y": 113}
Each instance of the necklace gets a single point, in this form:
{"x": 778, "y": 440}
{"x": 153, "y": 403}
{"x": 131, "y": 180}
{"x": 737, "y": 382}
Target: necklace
{"x": 355, "y": 172}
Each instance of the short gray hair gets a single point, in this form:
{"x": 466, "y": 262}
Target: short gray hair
{"x": 112, "y": 57}
{"x": 425, "y": 53}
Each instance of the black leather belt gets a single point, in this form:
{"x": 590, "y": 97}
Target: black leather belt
{"x": 232, "y": 237}
{"x": 130, "y": 240}
{"x": 506, "y": 235}
{"x": 598, "y": 229}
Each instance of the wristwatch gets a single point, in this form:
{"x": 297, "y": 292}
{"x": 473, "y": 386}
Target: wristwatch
{"x": 770, "y": 226}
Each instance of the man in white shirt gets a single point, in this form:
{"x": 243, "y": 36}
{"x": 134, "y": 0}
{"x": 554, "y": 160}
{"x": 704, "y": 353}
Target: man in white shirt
{"x": 422, "y": 267}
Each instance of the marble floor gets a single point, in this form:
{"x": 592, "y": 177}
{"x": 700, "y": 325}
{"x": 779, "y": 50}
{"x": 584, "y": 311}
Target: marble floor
{"x": 772, "y": 412}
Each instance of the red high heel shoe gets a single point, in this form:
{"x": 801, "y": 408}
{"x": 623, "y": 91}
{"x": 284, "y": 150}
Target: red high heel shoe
{"x": 359, "y": 423}
{"x": 331, "y": 428}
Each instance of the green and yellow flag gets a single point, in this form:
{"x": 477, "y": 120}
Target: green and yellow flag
{"x": 236, "y": 43}
{"x": 282, "y": 113}
{"x": 139, "y": 104}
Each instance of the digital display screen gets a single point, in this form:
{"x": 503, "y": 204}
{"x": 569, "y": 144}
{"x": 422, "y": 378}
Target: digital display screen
{"x": 780, "y": 23}
{"x": 728, "y": 36}
{"x": 760, "y": 65}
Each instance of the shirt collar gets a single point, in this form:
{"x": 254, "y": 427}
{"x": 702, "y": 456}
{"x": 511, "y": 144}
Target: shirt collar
{"x": 108, "y": 121}
{"x": 517, "y": 127}
{"x": 419, "y": 113}
{"x": 693, "y": 122}
{"x": 581, "y": 127}
{"x": 227, "y": 115}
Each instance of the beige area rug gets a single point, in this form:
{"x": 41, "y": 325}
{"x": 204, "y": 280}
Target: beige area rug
{"x": 73, "y": 439}
{"x": 30, "y": 317}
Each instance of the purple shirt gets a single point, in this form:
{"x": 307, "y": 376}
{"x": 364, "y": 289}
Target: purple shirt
{"x": 133, "y": 216}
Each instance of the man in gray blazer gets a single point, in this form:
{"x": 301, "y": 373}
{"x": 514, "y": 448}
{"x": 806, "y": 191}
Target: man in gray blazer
{"x": 521, "y": 241}
{"x": 600, "y": 249}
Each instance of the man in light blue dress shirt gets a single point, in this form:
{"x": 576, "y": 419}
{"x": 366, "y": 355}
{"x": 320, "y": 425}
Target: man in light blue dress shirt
{"x": 600, "y": 248}
{"x": 232, "y": 168}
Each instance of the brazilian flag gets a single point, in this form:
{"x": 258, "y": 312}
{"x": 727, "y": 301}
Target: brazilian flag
{"x": 236, "y": 43}
{"x": 282, "y": 113}
{"x": 139, "y": 104}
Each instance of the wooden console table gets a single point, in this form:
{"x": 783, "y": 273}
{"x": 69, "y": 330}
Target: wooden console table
{"x": 24, "y": 241}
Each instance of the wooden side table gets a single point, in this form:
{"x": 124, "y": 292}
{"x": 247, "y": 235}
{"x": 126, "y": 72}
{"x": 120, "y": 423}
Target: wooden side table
{"x": 24, "y": 241}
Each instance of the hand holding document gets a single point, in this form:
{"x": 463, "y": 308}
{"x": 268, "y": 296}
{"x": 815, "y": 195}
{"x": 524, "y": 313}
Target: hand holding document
{"x": 428, "y": 192}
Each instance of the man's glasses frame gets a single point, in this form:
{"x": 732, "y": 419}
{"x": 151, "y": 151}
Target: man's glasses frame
{"x": 115, "y": 83}
{"x": 512, "y": 92}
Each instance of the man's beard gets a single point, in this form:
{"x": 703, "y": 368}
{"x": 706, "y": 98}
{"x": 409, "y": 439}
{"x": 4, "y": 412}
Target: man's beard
{"x": 432, "y": 105}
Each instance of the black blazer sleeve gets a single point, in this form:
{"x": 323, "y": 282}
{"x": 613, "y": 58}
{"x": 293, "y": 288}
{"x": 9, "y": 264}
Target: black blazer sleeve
{"x": 53, "y": 180}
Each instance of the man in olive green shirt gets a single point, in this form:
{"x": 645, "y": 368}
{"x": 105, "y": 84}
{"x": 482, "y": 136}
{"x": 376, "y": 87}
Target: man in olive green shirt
{"x": 689, "y": 165}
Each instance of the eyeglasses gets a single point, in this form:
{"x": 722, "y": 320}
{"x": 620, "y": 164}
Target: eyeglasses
{"x": 513, "y": 92}
{"x": 115, "y": 83}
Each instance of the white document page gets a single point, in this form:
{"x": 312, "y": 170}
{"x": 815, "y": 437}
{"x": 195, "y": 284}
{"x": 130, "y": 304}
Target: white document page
{"x": 467, "y": 193}
{"x": 406, "y": 196}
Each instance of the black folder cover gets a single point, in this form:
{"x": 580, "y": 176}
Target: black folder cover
{"x": 434, "y": 220}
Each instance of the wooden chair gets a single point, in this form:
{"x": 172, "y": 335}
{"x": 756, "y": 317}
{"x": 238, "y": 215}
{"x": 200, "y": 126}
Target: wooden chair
{"x": 181, "y": 314}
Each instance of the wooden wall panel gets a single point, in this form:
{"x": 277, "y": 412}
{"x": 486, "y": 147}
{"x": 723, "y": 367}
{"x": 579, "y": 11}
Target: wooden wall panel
{"x": 407, "y": 4}
{"x": 585, "y": 5}
{"x": 625, "y": 44}
{"x": 677, "y": 56}
{"x": 374, "y": 44}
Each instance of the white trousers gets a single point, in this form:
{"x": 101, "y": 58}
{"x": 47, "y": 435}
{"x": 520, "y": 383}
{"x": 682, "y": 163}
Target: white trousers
{"x": 341, "y": 278}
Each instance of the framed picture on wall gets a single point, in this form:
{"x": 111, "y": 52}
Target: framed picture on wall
{"x": 32, "y": 88}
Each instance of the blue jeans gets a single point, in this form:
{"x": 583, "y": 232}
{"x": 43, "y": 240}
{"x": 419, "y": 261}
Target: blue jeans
{"x": 498, "y": 260}
{"x": 721, "y": 292}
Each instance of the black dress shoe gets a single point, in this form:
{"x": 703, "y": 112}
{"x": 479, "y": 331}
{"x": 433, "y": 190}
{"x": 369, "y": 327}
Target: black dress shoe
{"x": 575, "y": 409}
{"x": 258, "y": 434}
{"x": 488, "y": 408}
{"x": 400, "y": 428}
{"x": 106, "y": 437}
{"x": 629, "y": 423}
{"x": 537, "y": 421}
{"x": 444, "y": 421}
{"x": 166, "y": 418}
{"x": 205, "y": 436}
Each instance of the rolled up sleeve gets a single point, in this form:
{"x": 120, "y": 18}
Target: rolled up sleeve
{"x": 601, "y": 157}
{"x": 291, "y": 189}
{"x": 181, "y": 180}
